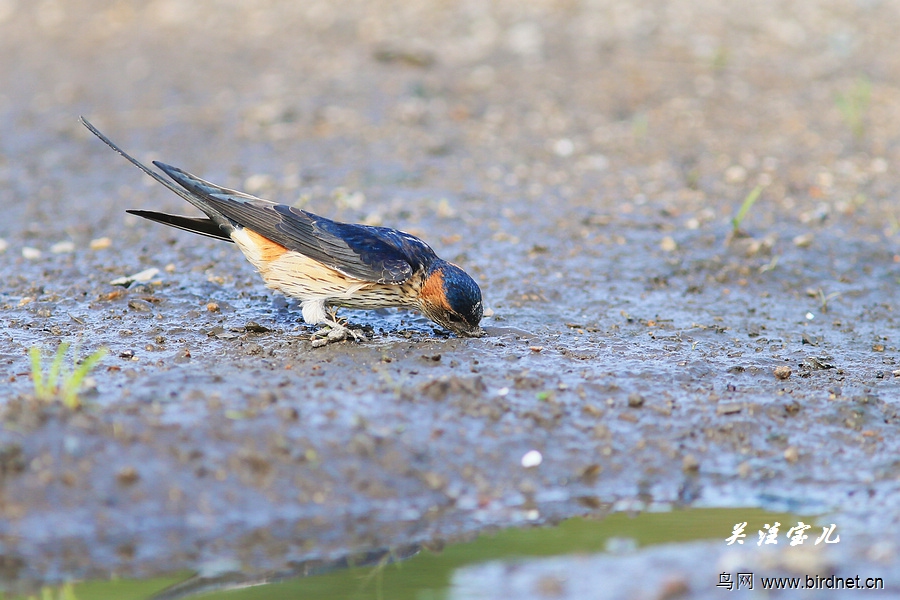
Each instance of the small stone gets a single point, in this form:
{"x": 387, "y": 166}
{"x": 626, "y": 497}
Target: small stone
{"x": 635, "y": 400}
{"x": 141, "y": 277}
{"x": 212, "y": 307}
{"x": 3, "y": 245}
{"x": 792, "y": 455}
{"x": 101, "y": 243}
{"x": 690, "y": 464}
{"x": 878, "y": 347}
{"x": 675, "y": 587}
{"x": 668, "y": 244}
{"x": 65, "y": 247}
{"x": 127, "y": 476}
{"x": 782, "y": 372}
{"x": 804, "y": 241}
{"x": 30, "y": 253}
{"x": 532, "y": 458}
{"x": 140, "y": 305}
{"x": 729, "y": 408}
{"x": 535, "y": 348}
{"x": 735, "y": 174}
{"x": 563, "y": 147}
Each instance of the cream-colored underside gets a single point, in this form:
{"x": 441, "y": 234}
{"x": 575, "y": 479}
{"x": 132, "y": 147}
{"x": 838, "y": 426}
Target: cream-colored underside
{"x": 318, "y": 285}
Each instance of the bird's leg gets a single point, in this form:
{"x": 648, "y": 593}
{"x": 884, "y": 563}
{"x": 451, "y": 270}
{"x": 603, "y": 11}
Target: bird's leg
{"x": 335, "y": 331}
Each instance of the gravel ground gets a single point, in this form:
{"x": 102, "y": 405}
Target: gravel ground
{"x": 583, "y": 161}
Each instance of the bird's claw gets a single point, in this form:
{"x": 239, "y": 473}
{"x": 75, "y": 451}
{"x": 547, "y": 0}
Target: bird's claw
{"x": 334, "y": 331}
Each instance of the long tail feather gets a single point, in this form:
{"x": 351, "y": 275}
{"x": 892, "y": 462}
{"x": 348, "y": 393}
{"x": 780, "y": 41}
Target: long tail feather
{"x": 186, "y": 194}
{"x": 206, "y": 227}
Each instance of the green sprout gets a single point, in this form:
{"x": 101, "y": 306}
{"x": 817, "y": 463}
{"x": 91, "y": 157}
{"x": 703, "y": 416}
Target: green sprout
{"x": 60, "y": 383}
{"x": 748, "y": 203}
{"x": 823, "y": 299}
{"x": 854, "y": 104}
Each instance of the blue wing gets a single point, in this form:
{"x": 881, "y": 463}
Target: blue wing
{"x": 376, "y": 254}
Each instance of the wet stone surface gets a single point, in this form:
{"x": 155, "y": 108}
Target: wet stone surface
{"x": 583, "y": 163}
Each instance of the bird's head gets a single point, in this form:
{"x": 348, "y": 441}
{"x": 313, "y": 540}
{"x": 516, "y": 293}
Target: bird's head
{"x": 451, "y": 298}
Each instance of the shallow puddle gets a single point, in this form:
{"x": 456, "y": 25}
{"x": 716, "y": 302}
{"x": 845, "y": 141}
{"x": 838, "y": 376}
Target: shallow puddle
{"x": 432, "y": 573}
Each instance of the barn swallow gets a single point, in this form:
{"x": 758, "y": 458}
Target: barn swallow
{"x": 323, "y": 263}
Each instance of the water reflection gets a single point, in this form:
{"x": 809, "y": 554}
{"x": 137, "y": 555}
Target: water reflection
{"x": 415, "y": 572}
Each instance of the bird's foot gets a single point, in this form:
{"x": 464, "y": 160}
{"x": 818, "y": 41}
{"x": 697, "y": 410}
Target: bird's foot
{"x": 335, "y": 331}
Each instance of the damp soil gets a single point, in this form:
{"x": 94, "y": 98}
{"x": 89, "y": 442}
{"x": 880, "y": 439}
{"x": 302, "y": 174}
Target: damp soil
{"x": 582, "y": 162}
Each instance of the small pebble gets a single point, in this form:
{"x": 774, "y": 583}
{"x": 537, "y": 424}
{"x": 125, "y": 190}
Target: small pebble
{"x": 63, "y": 247}
{"x": 532, "y": 458}
{"x": 782, "y": 372}
{"x": 635, "y": 400}
{"x": 804, "y": 240}
{"x": 3, "y": 245}
{"x": 563, "y": 147}
{"x": 101, "y": 243}
{"x": 792, "y": 455}
{"x": 31, "y": 253}
{"x": 212, "y": 307}
{"x": 127, "y": 476}
{"x": 735, "y": 174}
{"x": 690, "y": 464}
{"x": 141, "y": 277}
{"x": 668, "y": 244}
{"x": 878, "y": 347}
{"x": 535, "y": 348}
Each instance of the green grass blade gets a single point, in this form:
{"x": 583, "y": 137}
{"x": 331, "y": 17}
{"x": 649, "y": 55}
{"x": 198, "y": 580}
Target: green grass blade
{"x": 56, "y": 367}
{"x": 748, "y": 203}
{"x": 73, "y": 382}
{"x": 37, "y": 371}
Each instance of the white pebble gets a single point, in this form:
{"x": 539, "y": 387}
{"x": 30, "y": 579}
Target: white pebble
{"x": 31, "y": 253}
{"x": 810, "y": 316}
{"x": 532, "y": 458}
{"x": 143, "y": 276}
{"x": 879, "y": 165}
{"x": 735, "y": 174}
{"x": 62, "y": 247}
{"x": 100, "y": 243}
{"x": 564, "y": 147}
{"x": 3, "y": 245}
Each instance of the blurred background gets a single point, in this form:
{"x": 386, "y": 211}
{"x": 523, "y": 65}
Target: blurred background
{"x": 681, "y": 104}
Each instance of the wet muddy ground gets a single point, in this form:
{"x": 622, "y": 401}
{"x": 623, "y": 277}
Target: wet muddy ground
{"x": 582, "y": 161}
